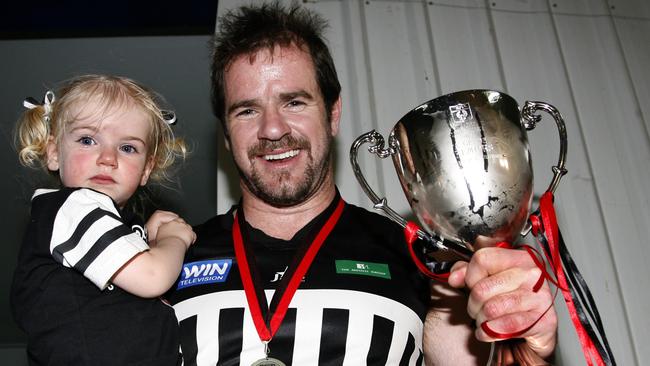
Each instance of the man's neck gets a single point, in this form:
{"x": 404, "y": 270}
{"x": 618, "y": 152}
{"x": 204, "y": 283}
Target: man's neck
{"x": 285, "y": 222}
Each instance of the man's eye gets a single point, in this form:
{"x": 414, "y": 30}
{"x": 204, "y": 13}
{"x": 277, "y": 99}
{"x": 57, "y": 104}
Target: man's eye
{"x": 245, "y": 112}
{"x": 86, "y": 140}
{"x": 129, "y": 149}
{"x": 296, "y": 105}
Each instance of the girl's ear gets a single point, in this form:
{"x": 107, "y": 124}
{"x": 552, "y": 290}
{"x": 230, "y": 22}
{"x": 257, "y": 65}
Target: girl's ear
{"x": 147, "y": 171}
{"x": 52, "y": 152}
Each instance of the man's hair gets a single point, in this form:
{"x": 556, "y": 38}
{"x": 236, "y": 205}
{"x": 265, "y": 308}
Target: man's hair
{"x": 249, "y": 29}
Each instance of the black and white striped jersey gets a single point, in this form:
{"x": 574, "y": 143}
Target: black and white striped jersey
{"x": 361, "y": 302}
{"x": 61, "y": 295}
{"x": 89, "y": 235}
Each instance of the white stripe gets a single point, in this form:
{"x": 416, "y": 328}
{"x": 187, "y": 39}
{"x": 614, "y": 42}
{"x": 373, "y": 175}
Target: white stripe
{"x": 305, "y": 344}
{"x": 359, "y": 336}
{"x": 41, "y": 191}
{"x": 398, "y": 344}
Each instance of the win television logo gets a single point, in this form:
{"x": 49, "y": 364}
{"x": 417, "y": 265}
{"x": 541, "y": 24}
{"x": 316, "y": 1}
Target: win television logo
{"x": 204, "y": 272}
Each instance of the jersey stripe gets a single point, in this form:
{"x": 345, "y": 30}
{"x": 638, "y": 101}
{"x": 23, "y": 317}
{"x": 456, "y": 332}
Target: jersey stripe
{"x": 280, "y": 344}
{"x": 408, "y": 351}
{"x": 231, "y": 322}
{"x": 337, "y": 319}
{"x": 188, "y": 331}
{"x": 100, "y": 245}
{"x": 382, "y": 334}
{"x": 84, "y": 224}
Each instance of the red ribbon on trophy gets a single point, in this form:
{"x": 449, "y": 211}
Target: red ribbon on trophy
{"x": 566, "y": 277}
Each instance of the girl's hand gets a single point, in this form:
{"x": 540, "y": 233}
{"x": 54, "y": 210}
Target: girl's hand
{"x": 153, "y": 224}
{"x": 177, "y": 228}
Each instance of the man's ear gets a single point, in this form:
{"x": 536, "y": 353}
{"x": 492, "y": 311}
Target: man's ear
{"x": 226, "y": 141}
{"x": 226, "y": 136}
{"x": 52, "y": 154}
{"x": 335, "y": 116}
{"x": 147, "y": 171}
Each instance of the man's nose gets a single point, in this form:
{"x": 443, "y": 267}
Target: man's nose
{"x": 273, "y": 125}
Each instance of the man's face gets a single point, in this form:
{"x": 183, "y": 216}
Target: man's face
{"x": 278, "y": 131}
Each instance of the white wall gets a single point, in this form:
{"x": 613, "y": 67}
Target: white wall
{"x": 589, "y": 58}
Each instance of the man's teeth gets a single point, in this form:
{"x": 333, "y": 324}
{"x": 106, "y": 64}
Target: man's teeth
{"x": 284, "y": 155}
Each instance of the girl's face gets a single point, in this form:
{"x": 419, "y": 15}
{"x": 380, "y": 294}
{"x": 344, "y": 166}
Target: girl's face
{"x": 107, "y": 152}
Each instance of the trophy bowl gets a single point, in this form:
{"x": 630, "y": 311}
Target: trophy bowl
{"x": 464, "y": 163}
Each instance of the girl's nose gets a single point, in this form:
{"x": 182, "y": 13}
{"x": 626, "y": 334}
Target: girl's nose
{"x": 107, "y": 156}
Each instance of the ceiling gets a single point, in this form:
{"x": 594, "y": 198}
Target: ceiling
{"x": 113, "y": 18}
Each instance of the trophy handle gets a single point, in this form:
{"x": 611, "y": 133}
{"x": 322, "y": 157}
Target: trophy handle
{"x": 375, "y": 138}
{"x": 530, "y": 122}
{"x": 377, "y": 147}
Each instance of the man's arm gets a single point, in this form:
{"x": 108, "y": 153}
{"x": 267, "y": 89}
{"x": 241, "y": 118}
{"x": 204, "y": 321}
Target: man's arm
{"x": 448, "y": 330}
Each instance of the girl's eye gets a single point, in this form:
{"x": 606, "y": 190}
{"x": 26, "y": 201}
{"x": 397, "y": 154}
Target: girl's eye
{"x": 130, "y": 149}
{"x": 86, "y": 140}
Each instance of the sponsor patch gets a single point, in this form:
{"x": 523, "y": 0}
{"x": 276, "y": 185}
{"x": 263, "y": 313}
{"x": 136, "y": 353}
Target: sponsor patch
{"x": 363, "y": 268}
{"x": 204, "y": 272}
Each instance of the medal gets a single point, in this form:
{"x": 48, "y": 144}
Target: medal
{"x": 267, "y": 319}
{"x": 268, "y": 361}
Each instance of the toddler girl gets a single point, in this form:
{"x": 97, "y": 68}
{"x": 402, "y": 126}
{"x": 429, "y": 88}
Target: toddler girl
{"x": 88, "y": 279}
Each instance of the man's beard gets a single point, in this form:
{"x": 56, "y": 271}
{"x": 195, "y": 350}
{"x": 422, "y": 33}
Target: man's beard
{"x": 283, "y": 193}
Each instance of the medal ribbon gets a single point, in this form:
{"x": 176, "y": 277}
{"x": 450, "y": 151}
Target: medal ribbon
{"x": 266, "y": 332}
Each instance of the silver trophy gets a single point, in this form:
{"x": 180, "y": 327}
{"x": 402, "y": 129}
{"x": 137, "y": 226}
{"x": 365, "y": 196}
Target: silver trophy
{"x": 464, "y": 163}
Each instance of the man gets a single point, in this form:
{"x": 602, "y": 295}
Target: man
{"x": 292, "y": 274}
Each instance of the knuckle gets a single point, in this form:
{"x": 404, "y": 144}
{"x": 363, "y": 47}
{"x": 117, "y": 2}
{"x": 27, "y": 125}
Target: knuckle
{"x": 491, "y": 310}
{"x": 482, "y": 257}
{"x": 534, "y": 272}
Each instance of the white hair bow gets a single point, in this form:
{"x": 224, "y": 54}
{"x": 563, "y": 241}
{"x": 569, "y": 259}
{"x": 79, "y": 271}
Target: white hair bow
{"x": 31, "y": 103}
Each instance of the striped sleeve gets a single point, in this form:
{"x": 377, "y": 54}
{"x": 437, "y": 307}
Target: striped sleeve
{"x": 89, "y": 236}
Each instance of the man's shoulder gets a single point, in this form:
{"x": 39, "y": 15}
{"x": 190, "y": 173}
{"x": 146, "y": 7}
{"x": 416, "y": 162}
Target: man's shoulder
{"x": 371, "y": 217}
{"x": 365, "y": 223}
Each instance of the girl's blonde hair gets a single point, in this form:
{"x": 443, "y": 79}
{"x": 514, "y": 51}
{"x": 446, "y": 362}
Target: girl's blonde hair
{"x": 40, "y": 122}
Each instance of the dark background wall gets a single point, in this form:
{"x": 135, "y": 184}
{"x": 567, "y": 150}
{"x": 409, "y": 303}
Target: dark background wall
{"x": 162, "y": 46}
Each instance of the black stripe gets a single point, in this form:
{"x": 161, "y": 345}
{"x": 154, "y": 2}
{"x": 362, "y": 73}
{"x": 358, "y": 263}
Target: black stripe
{"x": 335, "y": 328}
{"x": 408, "y": 351}
{"x": 188, "y": 340}
{"x": 382, "y": 335}
{"x": 281, "y": 346}
{"x": 100, "y": 245}
{"x": 79, "y": 231}
{"x": 231, "y": 325}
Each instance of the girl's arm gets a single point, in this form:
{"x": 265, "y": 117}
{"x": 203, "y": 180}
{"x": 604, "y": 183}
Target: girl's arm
{"x": 153, "y": 272}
